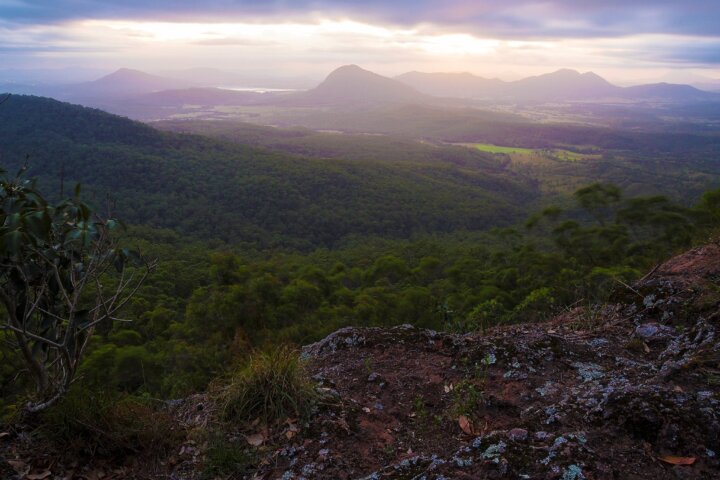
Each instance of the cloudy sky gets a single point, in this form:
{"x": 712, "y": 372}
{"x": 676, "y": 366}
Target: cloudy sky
{"x": 624, "y": 40}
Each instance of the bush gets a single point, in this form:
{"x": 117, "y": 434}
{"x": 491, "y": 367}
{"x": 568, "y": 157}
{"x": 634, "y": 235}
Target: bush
{"x": 108, "y": 425}
{"x": 272, "y": 387}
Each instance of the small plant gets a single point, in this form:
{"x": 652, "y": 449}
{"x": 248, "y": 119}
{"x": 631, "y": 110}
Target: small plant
{"x": 467, "y": 398}
{"x": 273, "y": 386}
{"x": 223, "y": 457}
{"x": 368, "y": 365}
{"x": 588, "y": 317}
{"x": 389, "y": 452}
{"x": 419, "y": 406}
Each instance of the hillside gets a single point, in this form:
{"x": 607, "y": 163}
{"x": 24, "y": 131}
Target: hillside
{"x": 351, "y": 85}
{"x": 214, "y": 189}
{"x": 628, "y": 389}
{"x": 640, "y": 162}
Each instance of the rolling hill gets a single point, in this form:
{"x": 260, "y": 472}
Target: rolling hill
{"x": 216, "y": 189}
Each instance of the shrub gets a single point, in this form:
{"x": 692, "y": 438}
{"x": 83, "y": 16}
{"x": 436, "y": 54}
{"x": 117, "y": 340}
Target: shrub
{"x": 108, "y": 425}
{"x": 272, "y": 387}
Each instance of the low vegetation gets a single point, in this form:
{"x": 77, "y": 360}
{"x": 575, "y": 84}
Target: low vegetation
{"x": 272, "y": 388}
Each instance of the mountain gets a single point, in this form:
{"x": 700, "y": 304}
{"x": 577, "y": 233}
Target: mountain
{"x": 669, "y": 91}
{"x": 465, "y": 85}
{"x": 561, "y": 85}
{"x": 112, "y": 89}
{"x": 211, "y": 188}
{"x": 126, "y": 82}
{"x": 351, "y": 85}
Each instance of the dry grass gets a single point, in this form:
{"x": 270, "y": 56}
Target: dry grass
{"x": 273, "y": 386}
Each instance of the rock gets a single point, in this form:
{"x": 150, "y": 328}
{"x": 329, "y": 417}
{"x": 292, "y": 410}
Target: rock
{"x": 589, "y": 371}
{"x": 653, "y": 331}
{"x": 517, "y": 435}
{"x": 647, "y": 330}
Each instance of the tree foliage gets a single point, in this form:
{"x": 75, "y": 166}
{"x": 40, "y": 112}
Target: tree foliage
{"x": 54, "y": 258}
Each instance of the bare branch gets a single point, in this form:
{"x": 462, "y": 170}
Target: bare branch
{"x": 31, "y": 335}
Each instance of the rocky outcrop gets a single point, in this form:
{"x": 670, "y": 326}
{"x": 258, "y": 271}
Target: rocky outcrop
{"x": 627, "y": 390}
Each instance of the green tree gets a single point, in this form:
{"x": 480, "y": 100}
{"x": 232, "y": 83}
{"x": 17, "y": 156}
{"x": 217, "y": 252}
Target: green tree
{"x": 54, "y": 259}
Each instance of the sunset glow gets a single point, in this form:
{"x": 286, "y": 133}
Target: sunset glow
{"x": 491, "y": 39}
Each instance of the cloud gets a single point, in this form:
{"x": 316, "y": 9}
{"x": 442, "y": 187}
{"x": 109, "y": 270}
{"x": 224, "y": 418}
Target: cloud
{"x": 236, "y": 42}
{"x": 488, "y": 18}
{"x": 488, "y": 37}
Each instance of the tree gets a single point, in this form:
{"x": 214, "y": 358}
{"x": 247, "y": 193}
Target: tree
{"x": 55, "y": 282}
{"x": 598, "y": 200}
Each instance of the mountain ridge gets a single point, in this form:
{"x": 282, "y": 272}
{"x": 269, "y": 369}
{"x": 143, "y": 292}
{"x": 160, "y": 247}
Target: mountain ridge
{"x": 563, "y": 84}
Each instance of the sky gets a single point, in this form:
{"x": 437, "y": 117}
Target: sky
{"x": 627, "y": 41}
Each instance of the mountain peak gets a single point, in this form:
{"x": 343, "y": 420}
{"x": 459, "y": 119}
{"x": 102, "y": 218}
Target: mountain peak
{"x": 127, "y": 73}
{"x": 128, "y": 80}
{"x": 351, "y": 84}
{"x": 567, "y": 72}
{"x": 350, "y": 71}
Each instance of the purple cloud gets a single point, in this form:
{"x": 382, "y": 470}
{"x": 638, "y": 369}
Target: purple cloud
{"x": 497, "y": 18}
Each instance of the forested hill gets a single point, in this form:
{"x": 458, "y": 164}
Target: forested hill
{"x": 215, "y": 189}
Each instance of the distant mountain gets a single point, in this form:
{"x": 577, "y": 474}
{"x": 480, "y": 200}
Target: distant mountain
{"x": 351, "y": 85}
{"x": 660, "y": 91}
{"x": 708, "y": 86}
{"x": 126, "y": 81}
{"x": 464, "y": 85}
{"x": 562, "y": 85}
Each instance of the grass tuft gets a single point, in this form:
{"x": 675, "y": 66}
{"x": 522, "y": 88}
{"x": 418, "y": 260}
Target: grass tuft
{"x": 273, "y": 386}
